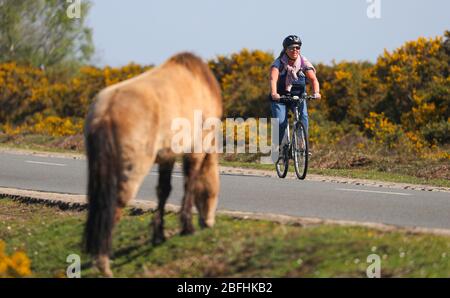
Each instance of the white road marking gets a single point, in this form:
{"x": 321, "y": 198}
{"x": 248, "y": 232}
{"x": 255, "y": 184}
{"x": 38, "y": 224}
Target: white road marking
{"x": 46, "y": 163}
{"x": 374, "y": 191}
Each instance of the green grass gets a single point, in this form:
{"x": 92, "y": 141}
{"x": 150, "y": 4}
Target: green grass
{"x": 35, "y": 143}
{"x": 382, "y": 176}
{"x": 370, "y": 174}
{"x": 233, "y": 248}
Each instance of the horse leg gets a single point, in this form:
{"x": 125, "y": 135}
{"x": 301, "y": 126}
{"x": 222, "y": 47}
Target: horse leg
{"x": 191, "y": 167}
{"x": 135, "y": 165}
{"x": 163, "y": 190}
{"x": 207, "y": 190}
{"x": 103, "y": 179}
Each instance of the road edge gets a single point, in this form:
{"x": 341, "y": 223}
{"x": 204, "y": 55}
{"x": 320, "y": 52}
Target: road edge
{"x": 79, "y": 203}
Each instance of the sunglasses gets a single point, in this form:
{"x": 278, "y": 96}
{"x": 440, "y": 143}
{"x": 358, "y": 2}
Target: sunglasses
{"x": 296, "y": 48}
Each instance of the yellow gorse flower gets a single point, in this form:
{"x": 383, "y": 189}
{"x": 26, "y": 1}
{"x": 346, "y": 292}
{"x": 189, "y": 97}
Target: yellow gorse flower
{"x": 16, "y": 265}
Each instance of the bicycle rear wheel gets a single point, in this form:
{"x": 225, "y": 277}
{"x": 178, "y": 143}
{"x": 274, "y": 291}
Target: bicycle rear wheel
{"x": 300, "y": 151}
{"x": 282, "y": 164}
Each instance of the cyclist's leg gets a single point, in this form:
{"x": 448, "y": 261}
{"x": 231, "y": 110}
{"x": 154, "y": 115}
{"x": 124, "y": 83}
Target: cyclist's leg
{"x": 305, "y": 121}
{"x": 304, "y": 117}
{"x": 279, "y": 111}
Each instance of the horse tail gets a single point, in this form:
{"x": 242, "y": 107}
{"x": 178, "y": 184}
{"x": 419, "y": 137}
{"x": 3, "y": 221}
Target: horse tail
{"x": 103, "y": 160}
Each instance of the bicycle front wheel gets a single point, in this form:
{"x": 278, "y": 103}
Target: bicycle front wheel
{"x": 282, "y": 164}
{"x": 300, "y": 151}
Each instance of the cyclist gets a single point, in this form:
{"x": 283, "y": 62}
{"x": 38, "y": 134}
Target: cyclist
{"x": 288, "y": 75}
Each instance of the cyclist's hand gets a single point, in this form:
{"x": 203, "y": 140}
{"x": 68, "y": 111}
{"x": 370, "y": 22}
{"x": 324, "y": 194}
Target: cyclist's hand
{"x": 276, "y": 97}
{"x": 317, "y": 96}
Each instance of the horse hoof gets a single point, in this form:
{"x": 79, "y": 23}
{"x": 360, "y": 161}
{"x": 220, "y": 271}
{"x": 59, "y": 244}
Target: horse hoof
{"x": 103, "y": 266}
{"x": 187, "y": 231}
{"x": 108, "y": 273}
{"x": 158, "y": 240}
{"x": 204, "y": 224}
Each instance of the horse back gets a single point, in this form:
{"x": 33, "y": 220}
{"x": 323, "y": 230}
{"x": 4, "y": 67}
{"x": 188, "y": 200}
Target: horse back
{"x": 144, "y": 107}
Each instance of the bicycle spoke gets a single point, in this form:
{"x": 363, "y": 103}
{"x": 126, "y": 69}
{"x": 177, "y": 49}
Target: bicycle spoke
{"x": 282, "y": 164}
{"x": 300, "y": 152}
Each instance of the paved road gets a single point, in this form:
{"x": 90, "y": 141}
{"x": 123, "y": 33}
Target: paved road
{"x": 252, "y": 194}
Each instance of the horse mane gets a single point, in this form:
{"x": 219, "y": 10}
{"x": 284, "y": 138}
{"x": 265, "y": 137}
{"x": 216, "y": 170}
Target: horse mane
{"x": 198, "y": 68}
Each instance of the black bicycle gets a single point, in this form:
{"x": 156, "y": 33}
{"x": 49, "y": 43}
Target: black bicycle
{"x": 296, "y": 147}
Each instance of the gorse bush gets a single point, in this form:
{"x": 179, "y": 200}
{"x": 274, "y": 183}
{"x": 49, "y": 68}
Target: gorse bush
{"x": 23, "y": 92}
{"x": 244, "y": 81}
{"x": 401, "y": 100}
{"x": 15, "y": 265}
{"x": 436, "y": 132}
{"x": 31, "y": 102}
{"x": 382, "y": 130}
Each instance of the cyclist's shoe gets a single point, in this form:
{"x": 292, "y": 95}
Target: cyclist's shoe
{"x": 280, "y": 152}
{"x": 285, "y": 149}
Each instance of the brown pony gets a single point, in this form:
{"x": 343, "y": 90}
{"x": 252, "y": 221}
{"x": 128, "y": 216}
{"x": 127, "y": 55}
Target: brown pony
{"x": 128, "y": 129}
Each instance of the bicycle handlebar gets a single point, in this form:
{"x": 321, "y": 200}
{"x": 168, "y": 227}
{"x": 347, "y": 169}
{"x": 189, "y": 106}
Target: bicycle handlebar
{"x": 293, "y": 99}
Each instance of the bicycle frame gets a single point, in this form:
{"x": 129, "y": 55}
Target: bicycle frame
{"x": 297, "y": 101}
{"x": 290, "y": 149}
{"x": 290, "y": 136}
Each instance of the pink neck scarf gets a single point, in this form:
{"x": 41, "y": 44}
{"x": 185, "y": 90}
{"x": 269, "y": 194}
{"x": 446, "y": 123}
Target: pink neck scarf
{"x": 291, "y": 70}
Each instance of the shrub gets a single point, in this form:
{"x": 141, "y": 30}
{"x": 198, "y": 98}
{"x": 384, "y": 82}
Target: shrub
{"x": 16, "y": 265}
{"x": 437, "y": 132}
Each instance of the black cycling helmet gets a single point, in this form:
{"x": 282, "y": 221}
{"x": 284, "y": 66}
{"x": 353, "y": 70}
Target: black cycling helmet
{"x": 290, "y": 40}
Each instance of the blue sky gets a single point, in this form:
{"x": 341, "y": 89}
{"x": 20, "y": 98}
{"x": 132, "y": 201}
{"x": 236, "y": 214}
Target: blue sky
{"x": 148, "y": 31}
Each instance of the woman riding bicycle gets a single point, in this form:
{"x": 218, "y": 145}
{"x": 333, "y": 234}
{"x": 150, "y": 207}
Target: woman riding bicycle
{"x": 288, "y": 75}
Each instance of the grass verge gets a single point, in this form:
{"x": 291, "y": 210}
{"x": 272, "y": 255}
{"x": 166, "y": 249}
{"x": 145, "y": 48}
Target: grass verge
{"x": 369, "y": 174}
{"x": 233, "y": 248}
